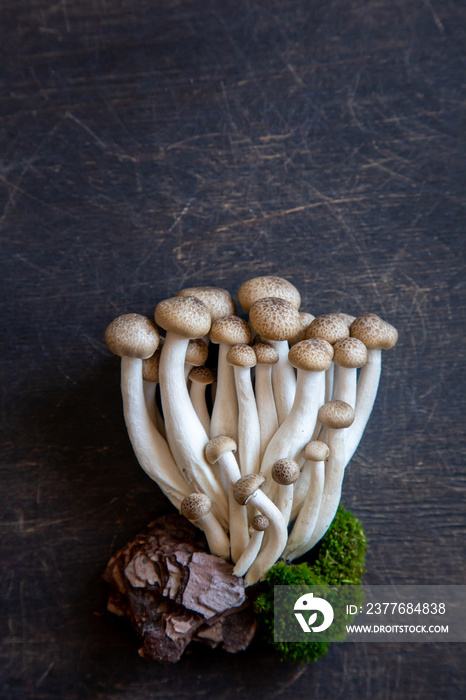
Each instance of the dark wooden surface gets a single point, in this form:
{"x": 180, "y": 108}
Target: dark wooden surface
{"x": 148, "y": 146}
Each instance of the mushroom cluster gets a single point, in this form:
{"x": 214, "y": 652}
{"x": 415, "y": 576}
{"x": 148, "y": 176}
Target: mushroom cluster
{"x": 248, "y": 426}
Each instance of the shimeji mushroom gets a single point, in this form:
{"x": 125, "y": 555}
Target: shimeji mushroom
{"x": 243, "y": 357}
{"x": 200, "y": 378}
{"x": 185, "y": 317}
{"x": 276, "y": 427}
{"x": 305, "y": 320}
{"x": 315, "y": 453}
{"x": 247, "y": 491}
{"x": 197, "y": 507}
{"x": 259, "y": 525}
{"x": 219, "y": 301}
{"x": 348, "y": 356}
{"x": 134, "y": 338}
{"x": 219, "y": 450}
{"x": 276, "y": 320}
{"x": 266, "y": 357}
{"x": 285, "y": 473}
{"x": 337, "y": 416}
{"x": 197, "y": 353}
{"x": 227, "y": 331}
{"x": 330, "y": 327}
{"x": 311, "y": 358}
{"x": 249, "y": 294}
{"x": 347, "y": 318}
{"x": 267, "y": 286}
{"x": 377, "y": 335}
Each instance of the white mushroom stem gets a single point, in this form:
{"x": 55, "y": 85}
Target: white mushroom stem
{"x": 224, "y": 419}
{"x": 367, "y": 386}
{"x": 307, "y": 517}
{"x": 284, "y": 380}
{"x": 250, "y": 553}
{"x": 185, "y": 433}
{"x": 238, "y": 517}
{"x": 149, "y": 389}
{"x": 217, "y": 539}
{"x": 376, "y": 335}
{"x": 276, "y": 542}
{"x": 248, "y": 422}
{"x": 198, "y": 399}
{"x": 345, "y": 385}
{"x": 150, "y": 448}
{"x": 301, "y": 488}
{"x": 284, "y": 501}
{"x": 197, "y": 395}
{"x": 197, "y": 507}
{"x": 299, "y": 426}
{"x": 329, "y": 383}
{"x": 331, "y": 495}
{"x": 322, "y": 399}
{"x": 266, "y": 409}
{"x": 150, "y": 397}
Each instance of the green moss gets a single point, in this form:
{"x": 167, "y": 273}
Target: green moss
{"x": 337, "y": 560}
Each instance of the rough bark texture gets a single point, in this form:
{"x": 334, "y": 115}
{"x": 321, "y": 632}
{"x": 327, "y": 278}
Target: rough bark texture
{"x": 174, "y": 592}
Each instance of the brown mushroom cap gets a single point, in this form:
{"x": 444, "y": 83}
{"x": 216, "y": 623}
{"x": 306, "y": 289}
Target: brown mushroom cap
{"x": 285, "y": 471}
{"x": 197, "y": 352}
{"x": 336, "y": 414}
{"x": 260, "y": 522}
{"x": 219, "y": 301}
{"x": 217, "y": 446}
{"x": 241, "y": 356}
{"x": 330, "y": 327}
{"x": 274, "y": 319}
{"x": 268, "y": 286}
{"x": 375, "y": 333}
{"x": 316, "y": 451}
{"x": 246, "y": 487}
{"x": 313, "y": 355}
{"x": 150, "y": 367}
{"x": 265, "y": 353}
{"x": 201, "y": 375}
{"x": 195, "y": 506}
{"x": 350, "y": 353}
{"x": 132, "y": 335}
{"x": 347, "y": 318}
{"x": 305, "y": 321}
{"x": 231, "y": 330}
{"x": 186, "y": 316}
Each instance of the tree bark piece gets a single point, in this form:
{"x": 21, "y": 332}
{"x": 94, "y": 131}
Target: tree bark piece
{"x": 174, "y": 592}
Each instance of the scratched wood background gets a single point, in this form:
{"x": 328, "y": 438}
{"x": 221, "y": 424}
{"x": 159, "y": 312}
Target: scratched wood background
{"x": 148, "y": 146}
